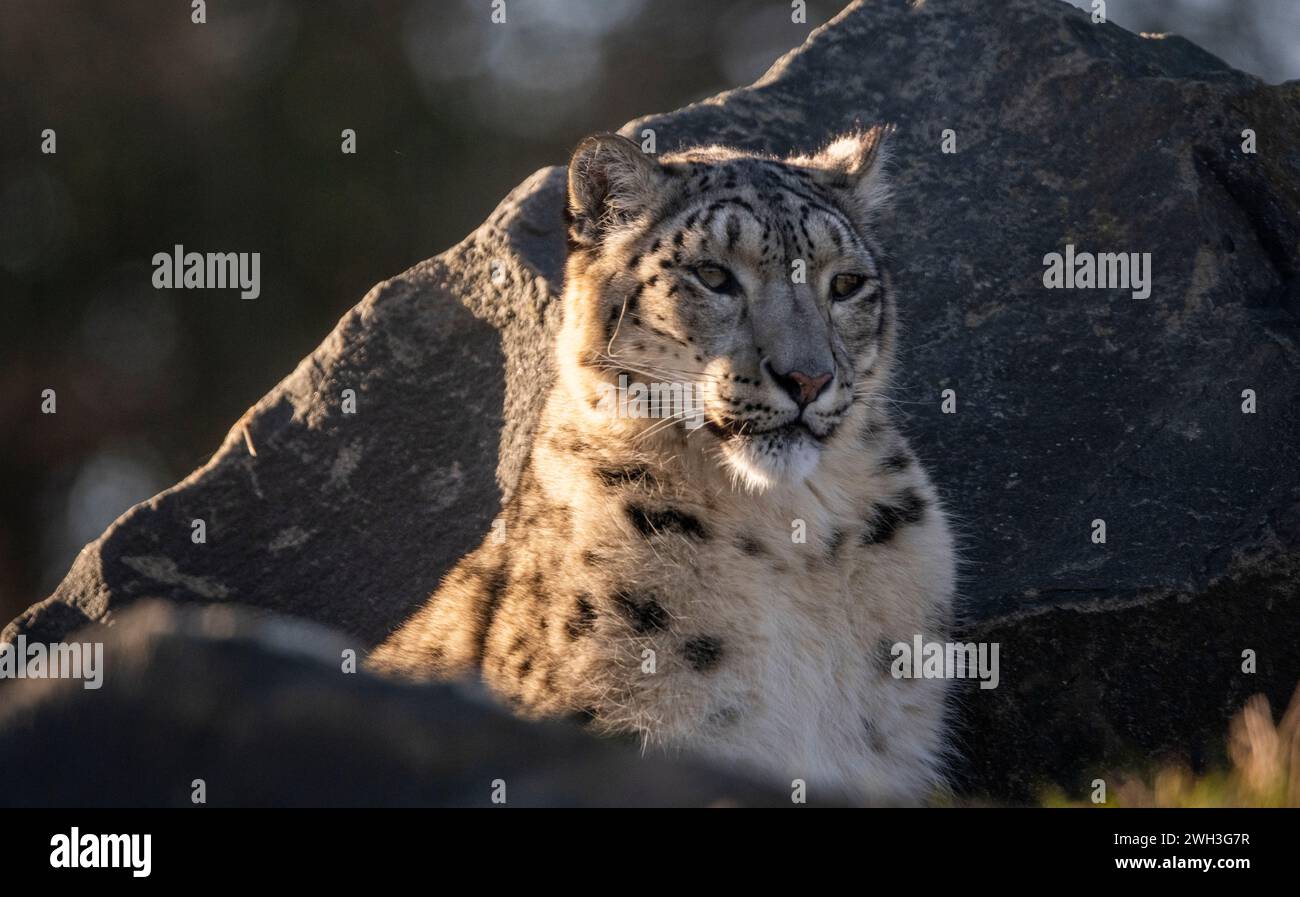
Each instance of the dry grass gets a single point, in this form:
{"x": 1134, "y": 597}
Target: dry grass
{"x": 1265, "y": 769}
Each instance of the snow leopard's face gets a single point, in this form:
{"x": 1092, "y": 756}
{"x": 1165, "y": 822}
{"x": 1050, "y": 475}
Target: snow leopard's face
{"x": 750, "y": 288}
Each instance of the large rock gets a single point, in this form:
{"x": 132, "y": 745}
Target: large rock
{"x": 264, "y": 713}
{"x": 1073, "y": 405}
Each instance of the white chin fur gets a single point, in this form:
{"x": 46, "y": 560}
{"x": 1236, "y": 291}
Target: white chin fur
{"x": 758, "y": 471}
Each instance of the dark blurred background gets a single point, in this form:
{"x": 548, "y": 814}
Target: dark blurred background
{"x": 226, "y": 137}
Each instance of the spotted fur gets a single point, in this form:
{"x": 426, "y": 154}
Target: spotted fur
{"x": 731, "y": 588}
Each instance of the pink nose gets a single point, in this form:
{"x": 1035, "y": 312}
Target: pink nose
{"x": 802, "y": 388}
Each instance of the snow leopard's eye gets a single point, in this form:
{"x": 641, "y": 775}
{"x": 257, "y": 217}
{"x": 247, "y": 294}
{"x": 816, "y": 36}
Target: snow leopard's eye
{"x": 845, "y": 285}
{"x": 716, "y": 278}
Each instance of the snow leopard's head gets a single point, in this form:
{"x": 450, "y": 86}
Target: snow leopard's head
{"x": 750, "y": 287}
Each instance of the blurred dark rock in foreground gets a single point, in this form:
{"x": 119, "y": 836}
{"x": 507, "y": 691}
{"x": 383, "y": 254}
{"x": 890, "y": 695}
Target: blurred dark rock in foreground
{"x": 258, "y": 707}
{"x": 1073, "y": 405}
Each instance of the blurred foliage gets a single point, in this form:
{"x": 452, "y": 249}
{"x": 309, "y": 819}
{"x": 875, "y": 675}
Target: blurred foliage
{"x": 1264, "y": 769}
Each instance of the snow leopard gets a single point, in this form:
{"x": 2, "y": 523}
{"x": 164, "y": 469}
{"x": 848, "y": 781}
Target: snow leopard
{"x": 727, "y": 578}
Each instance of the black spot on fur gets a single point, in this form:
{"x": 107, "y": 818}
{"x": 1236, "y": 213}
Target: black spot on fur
{"x": 644, "y": 613}
{"x": 870, "y": 433}
{"x": 875, "y": 737}
{"x": 750, "y": 546}
{"x": 583, "y": 619}
{"x": 625, "y": 475}
{"x": 557, "y": 519}
{"x": 896, "y": 462}
{"x": 884, "y": 656}
{"x": 733, "y": 231}
{"x": 657, "y": 521}
{"x": 703, "y": 652}
{"x": 583, "y": 717}
{"x": 435, "y": 656}
{"x": 886, "y": 519}
{"x": 724, "y": 717}
{"x": 834, "y": 543}
{"x": 633, "y": 299}
{"x": 493, "y": 591}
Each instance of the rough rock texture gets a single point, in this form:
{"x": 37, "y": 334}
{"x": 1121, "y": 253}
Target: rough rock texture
{"x": 1072, "y": 404}
{"x": 262, "y": 712}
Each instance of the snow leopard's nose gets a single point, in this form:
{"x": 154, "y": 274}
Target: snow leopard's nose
{"x": 801, "y": 387}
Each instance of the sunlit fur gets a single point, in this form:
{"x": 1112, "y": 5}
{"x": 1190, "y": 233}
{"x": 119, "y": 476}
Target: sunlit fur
{"x": 732, "y": 589}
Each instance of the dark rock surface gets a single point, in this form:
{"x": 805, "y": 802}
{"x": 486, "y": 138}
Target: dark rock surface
{"x": 262, "y": 712}
{"x": 1072, "y": 404}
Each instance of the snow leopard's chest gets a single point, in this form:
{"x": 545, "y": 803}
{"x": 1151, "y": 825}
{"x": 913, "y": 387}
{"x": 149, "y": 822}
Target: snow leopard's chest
{"x": 801, "y": 622}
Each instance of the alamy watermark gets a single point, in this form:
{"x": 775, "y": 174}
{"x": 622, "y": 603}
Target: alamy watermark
{"x": 683, "y": 400}
{"x": 1101, "y": 271}
{"x": 57, "y": 660}
{"x": 77, "y": 851}
{"x": 181, "y": 270}
{"x": 946, "y": 660}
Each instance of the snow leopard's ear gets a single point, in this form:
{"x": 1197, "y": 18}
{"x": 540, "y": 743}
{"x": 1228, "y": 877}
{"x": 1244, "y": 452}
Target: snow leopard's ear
{"x": 856, "y": 162}
{"x": 611, "y": 182}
